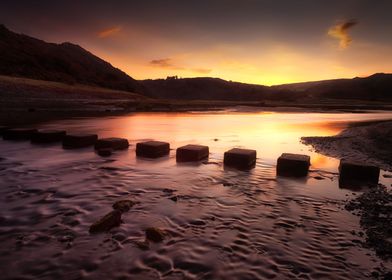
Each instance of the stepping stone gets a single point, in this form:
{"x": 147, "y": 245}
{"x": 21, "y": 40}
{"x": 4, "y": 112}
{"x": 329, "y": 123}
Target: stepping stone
{"x": 152, "y": 149}
{"x": 48, "y": 136}
{"x": 192, "y": 153}
{"x": 3, "y": 129}
{"x": 240, "y": 158}
{"x": 19, "y": 133}
{"x": 71, "y": 141}
{"x": 106, "y": 152}
{"x": 357, "y": 173}
{"x": 112, "y": 143}
{"x": 293, "y": 165}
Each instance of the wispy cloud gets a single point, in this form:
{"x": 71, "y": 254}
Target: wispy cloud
{"x": 340, "y": 32}
{"x": 165, "y": 63}
{"x": 168, "y": 63}
{"x": 109, "y": 32}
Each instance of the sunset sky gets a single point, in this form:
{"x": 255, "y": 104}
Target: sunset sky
{"x": 253, "y": 41}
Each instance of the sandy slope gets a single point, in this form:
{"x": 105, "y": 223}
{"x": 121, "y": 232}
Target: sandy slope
{"x": 370, "y": 143}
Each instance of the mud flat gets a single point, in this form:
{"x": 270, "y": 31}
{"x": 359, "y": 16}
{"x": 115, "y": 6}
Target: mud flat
{"x": 363, "y": 142}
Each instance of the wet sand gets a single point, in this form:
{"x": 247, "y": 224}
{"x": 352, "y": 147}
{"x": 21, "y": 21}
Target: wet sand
{"x": 368, "y": 142}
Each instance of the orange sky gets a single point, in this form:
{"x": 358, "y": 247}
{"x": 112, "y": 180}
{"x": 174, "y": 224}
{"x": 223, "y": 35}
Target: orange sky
{"x": 252, "y": 41}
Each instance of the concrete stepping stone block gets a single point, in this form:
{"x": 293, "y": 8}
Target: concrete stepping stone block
{"x": 240, "y": 158}
{"x": 104, "y": 152}
{"x": 72, "y": 141}
{"x": 48, "y": 136}
{"x": 192, "y": 153}
{"x": 357, "y": 173}
{"x": 293, "y": 165}
{"x": 112, "y": 143}
{"x": 152, "y": 149}
{"x": 19, "y": 133}
{"x": 3, "y": 129}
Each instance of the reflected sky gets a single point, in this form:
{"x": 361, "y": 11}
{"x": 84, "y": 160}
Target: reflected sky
{"x": 271, "y": 134}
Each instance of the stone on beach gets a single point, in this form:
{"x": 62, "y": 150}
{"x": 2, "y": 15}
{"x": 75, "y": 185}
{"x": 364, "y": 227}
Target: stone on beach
{"x": 192, "y": 153}
{"x": 240, "y": 158}
{"x": 48, "y": 136}
{"x": 123, "y": 205}
{"x": 79, "y": 140}
{"x": 152, "y": 149}
{"x": 107, "y": 222}
{"x": 19, "y": 133}
{"x": 357, "y": 173}
{"x": 112, "y": 143}
{"x": 293, "y": 165}
{"x": 155, "y": 234}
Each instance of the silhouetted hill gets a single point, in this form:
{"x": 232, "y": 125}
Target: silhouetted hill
{"x": 24, "y": 56}
{"x": 374, "y": 87}
{"x": 377, "y": 87}
{"x": 208, "y": 89}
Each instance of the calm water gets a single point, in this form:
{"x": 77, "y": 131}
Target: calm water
{"x": 226, "y": 224}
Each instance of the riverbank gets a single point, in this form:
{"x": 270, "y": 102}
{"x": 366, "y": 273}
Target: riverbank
{"x": 369, "y": 142}
{"x": 26, "y": 101}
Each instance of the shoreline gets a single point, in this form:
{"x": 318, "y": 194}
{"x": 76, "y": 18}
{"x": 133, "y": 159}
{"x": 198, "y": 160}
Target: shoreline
{"x": 369, "y": 142}
{"x": 24, "y": 116}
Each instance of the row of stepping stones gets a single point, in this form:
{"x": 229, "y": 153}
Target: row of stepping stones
{"x": 290, "y": 165}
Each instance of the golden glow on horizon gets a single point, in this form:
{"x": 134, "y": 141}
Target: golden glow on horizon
{"x": 279, "y": 68}
{"x": 154, "y": 57}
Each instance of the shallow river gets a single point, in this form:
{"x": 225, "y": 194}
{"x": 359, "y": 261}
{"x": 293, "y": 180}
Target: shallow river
{"x": 226, "y": 224}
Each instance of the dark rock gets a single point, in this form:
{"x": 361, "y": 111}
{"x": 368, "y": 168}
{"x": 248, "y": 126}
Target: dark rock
{"x": 123, "y": 205}
{"x": 107, "y": 222}
{"x": 152, "y": 149}
{"x": 143, "y": 245}
{"x": 174, "y": 198}
{"x": 71, "y": 141}
{"x": 154, "y": 234}
{"x": 3, "y": 129}
{"x": 293, "y": 165}
{"x": 374, "y": 207}
{"x": 18, "y": 133}
{"x": 353, "y": 174}
{"x": 106, "y": 152}
{"x": 48, "y": 136}
{"x": 192, "y": 153}
{"x": 240, "y": 158}
{"x": 112, "y": 143}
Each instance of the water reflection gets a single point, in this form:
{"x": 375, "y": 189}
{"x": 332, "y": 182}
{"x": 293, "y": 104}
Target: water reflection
{"x": 269, "y": 133}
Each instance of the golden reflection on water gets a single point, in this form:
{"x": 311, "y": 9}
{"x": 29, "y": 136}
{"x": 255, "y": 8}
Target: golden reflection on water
{"x": 269, "y": 133}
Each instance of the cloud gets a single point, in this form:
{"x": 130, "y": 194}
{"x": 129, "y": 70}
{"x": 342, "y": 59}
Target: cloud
{"x": 168, "y": 63}
{"x": 165, "y": 63}
{"x": 109, "y": 32}
{"x": 340, "y": 32}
